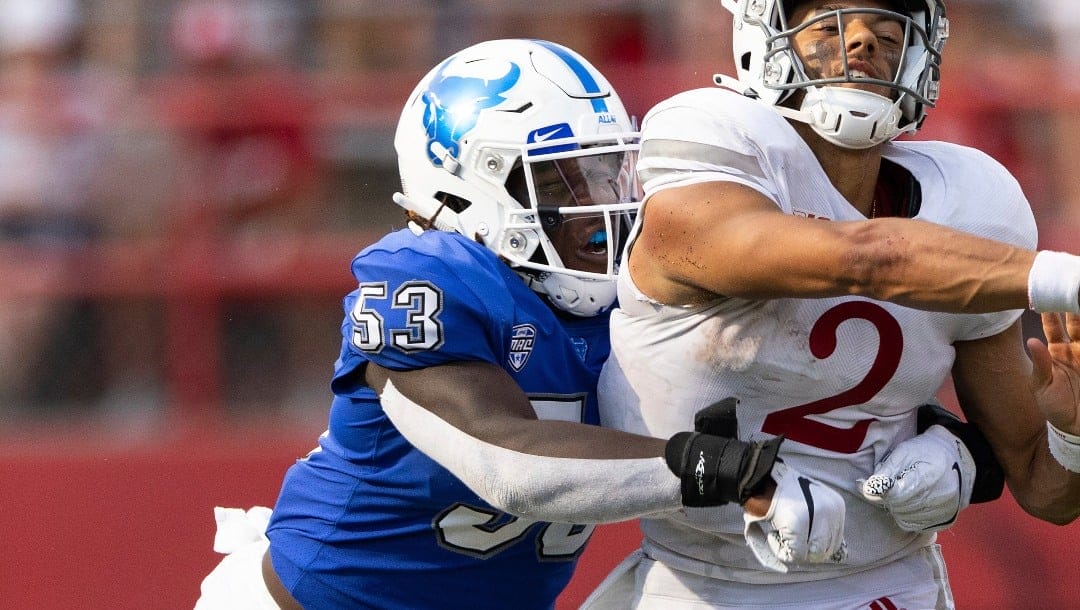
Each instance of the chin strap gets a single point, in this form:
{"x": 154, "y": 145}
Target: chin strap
{"x": 577, "y": 296}
{"x": 427, "y": 212}
{"x": 849, "y": 118}
{"x": 736, "y": 85}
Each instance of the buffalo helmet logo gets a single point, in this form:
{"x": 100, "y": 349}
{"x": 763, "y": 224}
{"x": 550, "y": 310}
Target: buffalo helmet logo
{"x": 453, "y": 105}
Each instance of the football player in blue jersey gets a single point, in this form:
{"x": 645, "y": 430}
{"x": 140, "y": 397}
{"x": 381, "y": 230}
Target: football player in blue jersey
{"x": 523, "y": 155}
{"x": 481, "y": 330}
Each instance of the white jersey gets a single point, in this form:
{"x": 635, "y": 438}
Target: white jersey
{"x": 841, "y": 378}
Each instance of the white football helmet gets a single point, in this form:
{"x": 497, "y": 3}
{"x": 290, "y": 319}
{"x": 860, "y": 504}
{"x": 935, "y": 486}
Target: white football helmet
{"x": 769, "y": 69}
{"x": 524, "y": 146}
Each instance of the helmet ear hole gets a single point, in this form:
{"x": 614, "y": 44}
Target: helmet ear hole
{"x": 539, "y": 258}
{"x": 455, "y": 203}
{"x": 745, "y": 61}
{"x": 517, "y": 186}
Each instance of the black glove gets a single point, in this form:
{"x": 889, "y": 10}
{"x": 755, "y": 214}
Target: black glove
{"x": 714, "y": 466}
{"x": 989, "y": 476}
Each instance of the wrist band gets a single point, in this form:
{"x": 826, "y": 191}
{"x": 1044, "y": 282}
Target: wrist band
{"x": 1064, "y": 447}
{"x": 1054, "y": 283}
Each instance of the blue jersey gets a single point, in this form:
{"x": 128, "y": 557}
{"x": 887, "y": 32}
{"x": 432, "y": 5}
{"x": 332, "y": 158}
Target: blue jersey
{"x": 368, "y": 521}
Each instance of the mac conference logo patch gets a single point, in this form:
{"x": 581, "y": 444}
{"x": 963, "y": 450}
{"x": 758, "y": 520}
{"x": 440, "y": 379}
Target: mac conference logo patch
{"x": 522, "y": 339}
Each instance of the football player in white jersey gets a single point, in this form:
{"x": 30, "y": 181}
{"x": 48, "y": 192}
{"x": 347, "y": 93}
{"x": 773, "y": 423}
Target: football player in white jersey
{"x": 791, "y": 254}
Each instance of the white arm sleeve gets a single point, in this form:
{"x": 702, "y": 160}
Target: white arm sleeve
{"x": 562, "y": 490}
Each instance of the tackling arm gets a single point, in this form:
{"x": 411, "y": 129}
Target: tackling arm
{"x": 476, "y": 422}
{"x": 483, "y": 401}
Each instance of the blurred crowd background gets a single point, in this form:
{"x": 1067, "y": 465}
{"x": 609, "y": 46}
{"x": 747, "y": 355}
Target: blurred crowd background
{"x": 184, "y": 182}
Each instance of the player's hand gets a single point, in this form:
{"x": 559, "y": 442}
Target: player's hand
{"x": 804, "y": 523}
{"x": 924, "y": 482}
{"x": 1055, "y": 379}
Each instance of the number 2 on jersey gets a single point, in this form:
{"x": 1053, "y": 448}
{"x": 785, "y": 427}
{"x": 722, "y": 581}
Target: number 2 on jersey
{"x": 794, "y": 423}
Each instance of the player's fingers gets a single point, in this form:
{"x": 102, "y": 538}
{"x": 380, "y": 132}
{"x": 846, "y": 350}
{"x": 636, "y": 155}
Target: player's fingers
{"x": 1072, "y": 323}
{"x": 1042, "y": 365}
{"x": 1054, "y": 328}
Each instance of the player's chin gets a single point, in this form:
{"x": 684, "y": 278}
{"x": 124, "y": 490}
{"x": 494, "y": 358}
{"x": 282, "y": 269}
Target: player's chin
{"x": 590, "y": 258}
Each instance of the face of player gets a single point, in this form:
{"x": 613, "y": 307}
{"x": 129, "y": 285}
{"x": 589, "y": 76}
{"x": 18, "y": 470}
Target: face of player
{"x": 872, "y": 44}
{"x": 581, "y": 239}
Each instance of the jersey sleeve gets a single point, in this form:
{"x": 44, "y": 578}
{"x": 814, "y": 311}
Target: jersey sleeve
{"x": 702, "y": 136}
{"x": 417, "y": 306}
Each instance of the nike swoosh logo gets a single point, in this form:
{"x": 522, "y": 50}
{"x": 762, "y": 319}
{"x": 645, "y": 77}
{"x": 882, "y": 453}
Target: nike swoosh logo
{"x": 543, "y": 136}
{"x": 960, "y": 480}
{"x": 805, "y": 484}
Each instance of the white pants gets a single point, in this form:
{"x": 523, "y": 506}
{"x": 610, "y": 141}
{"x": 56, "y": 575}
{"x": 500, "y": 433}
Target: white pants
{"x": 917, "y": 582}
{"x": 237, "y": 581}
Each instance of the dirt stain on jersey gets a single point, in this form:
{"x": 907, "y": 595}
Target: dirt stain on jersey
{"x": 725, "y": 346}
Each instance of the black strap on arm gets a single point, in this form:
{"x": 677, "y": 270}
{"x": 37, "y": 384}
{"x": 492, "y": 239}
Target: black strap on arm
{"x": 715, "y": 470}
{"x": 714, "y": 466}
{"x": 989, "y": 476}
{"x": 719, "y": 419}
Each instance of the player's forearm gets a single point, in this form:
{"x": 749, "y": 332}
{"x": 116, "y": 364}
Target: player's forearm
{"x": 927, "y": 266}
{"x": 1046, "y": 490}
{"x": 755, "y": 252}
{"x": 561, "y": 489}
{"x": 912, "y": 263}
{"x": 992, "y": 379}
{"x": 568, "y": 440}
{"x": 720, "y": 238}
